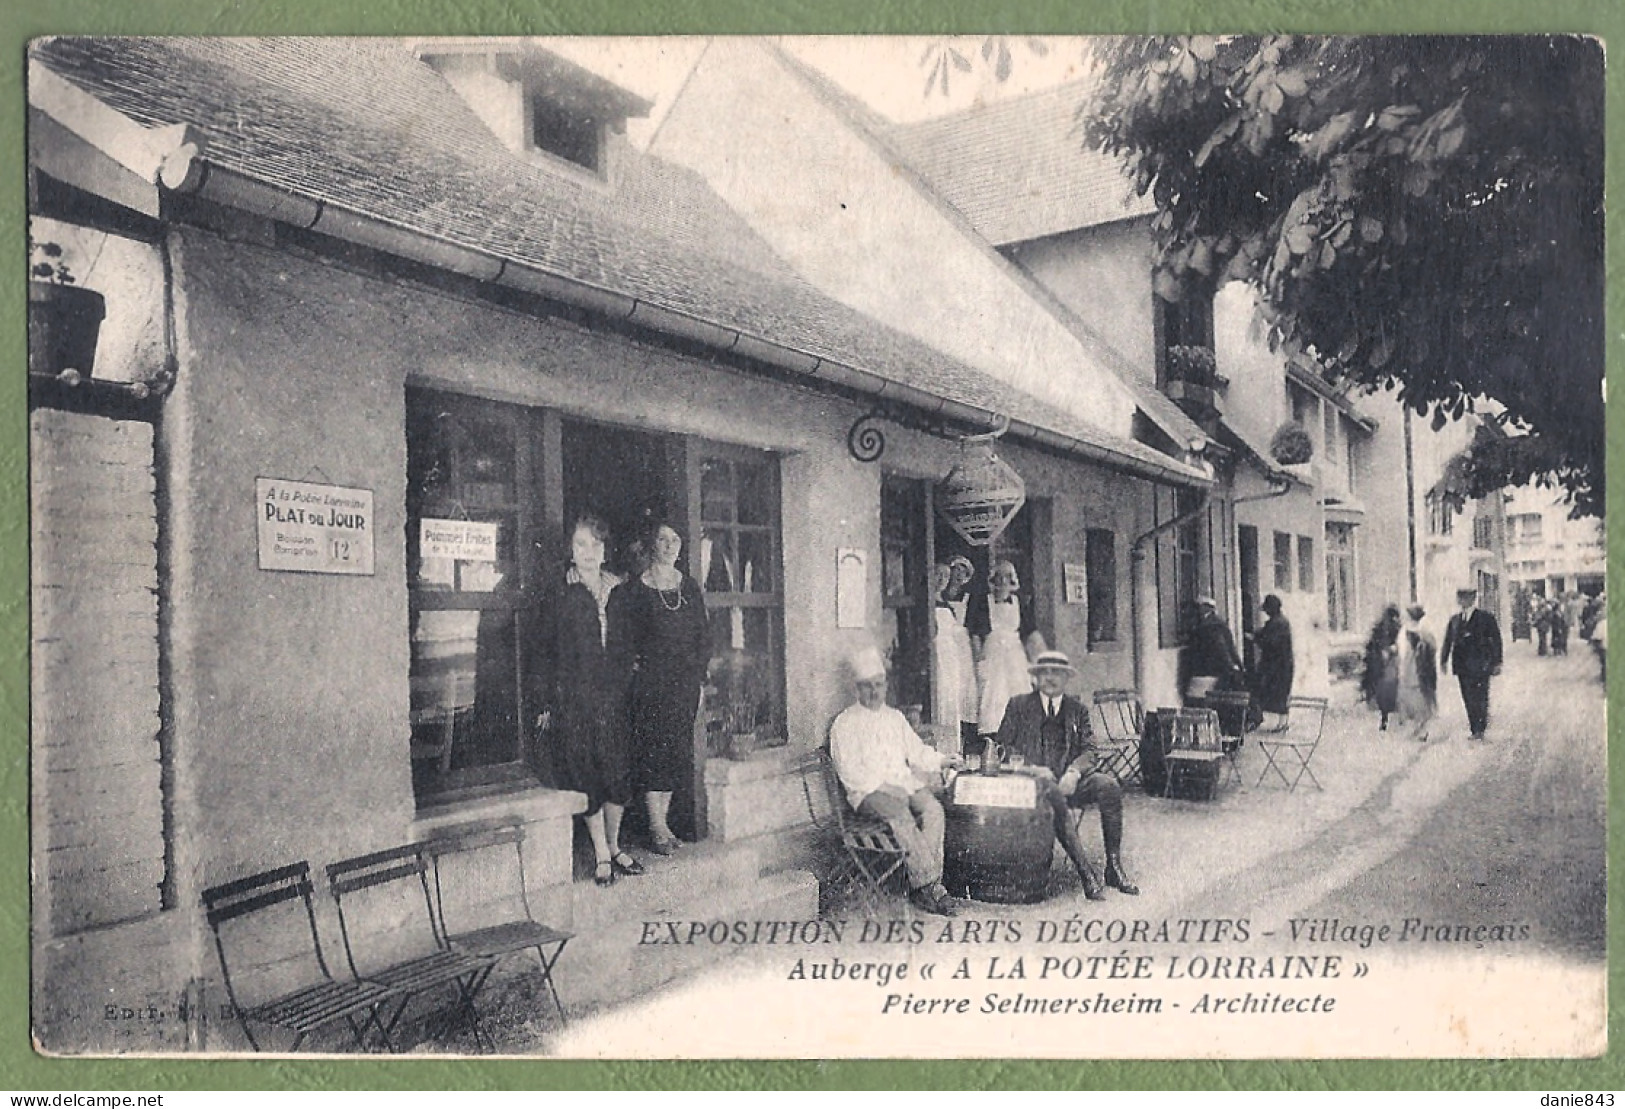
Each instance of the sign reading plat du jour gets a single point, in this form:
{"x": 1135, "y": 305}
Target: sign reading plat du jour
{"x": 313, "y": 529}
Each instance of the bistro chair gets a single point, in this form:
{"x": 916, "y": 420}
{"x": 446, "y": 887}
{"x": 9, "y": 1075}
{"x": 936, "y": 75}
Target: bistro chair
{"x": 1197, "y": 749}
{"x": 272, "y": 964}
{"x": 1306, "y": 719}
{"x": 1122, "y": 723}
{"x": 482, "y": 900}
{"x": 1233, "y": 708}
{"x": 392, "y": 937}
{"x": 868, "y": 855}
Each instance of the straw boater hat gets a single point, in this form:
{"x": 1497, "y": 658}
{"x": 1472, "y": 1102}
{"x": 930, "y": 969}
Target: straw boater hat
{"x": 1205, "y": 601}
{"x": 1052, "y": 660}
{"x": 867, "y": 662}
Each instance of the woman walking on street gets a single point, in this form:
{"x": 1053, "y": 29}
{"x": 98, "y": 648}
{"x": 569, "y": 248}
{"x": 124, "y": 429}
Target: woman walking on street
{"x": 1381, "y": 682}
{"x": 1418, "y": 675}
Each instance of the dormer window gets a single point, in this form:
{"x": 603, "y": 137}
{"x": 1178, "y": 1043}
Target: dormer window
{"x": 535, "y": 101}
{"x": 556, "y": 130}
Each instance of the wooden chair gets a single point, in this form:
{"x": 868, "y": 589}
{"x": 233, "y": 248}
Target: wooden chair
{"x": 392, "y": 937}
{"x": 1196, "y": 752}
{"x": 868, "y": 854}
{"x": 267, "y": 921}
{"x": 482, "y": 900}
{"x": 1122, "y": 723}
{"x": 1306, "y": 720}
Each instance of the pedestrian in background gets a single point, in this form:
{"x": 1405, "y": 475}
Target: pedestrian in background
{"x": 1275, "y": 666}
{"x": 1381, "y": 681}
{"x": 1472, "y": 647}
{"x": 1418, "y": 675}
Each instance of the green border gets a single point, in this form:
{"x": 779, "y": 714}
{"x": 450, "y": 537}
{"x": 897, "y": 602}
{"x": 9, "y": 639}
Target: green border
{"x": 22, "y": 1070}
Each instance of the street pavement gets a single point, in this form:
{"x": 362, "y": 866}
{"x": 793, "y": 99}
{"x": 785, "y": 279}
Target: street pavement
{"x": 1510, "y": 831}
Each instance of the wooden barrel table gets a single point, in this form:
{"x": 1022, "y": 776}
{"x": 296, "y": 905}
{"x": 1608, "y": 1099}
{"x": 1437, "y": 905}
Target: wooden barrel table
{"x": 999, "y": 839}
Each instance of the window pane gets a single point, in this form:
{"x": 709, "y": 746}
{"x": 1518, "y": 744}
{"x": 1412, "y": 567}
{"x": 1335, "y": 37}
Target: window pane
{"x": 756, "y": 562}
{"x": 1101, "y": 566}
{"x": 1306, "y": 564}
{"x": 716, "y": 491}
{"x": 445, "y": 573}
{"x": 719, "y": 562}
{"x": 465, "y": 692}
{"x": 1283, "y": 561}
{"x": 485, "y": 463}
{"x": 755, "y": 492}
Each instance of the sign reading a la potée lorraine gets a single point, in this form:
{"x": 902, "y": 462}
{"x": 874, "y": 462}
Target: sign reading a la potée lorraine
{"x": 313, "y": 529}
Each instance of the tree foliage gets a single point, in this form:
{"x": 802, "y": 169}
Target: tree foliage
{"x": 1420, "y": 213}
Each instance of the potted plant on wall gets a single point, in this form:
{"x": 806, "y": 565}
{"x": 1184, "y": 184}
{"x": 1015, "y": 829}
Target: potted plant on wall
{"x": 64, "y": 319}
{"x": 1193, "y": 379}
{"x": 1292, "y": 445}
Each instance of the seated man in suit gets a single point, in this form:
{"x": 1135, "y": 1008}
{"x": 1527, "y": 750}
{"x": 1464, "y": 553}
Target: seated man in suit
{"x": 1050, "y": 729}
{"x": 889, "y": 773}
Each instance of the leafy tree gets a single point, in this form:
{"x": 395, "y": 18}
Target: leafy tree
{"x": 1420, "y": 213}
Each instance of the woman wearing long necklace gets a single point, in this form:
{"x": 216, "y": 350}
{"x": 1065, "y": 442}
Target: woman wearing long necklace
{"x": 672, "y": 649}
{"x": 585, "y": 665}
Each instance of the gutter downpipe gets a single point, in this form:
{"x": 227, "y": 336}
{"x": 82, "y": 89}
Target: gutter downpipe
{"x": 186, "y": 171}
{"x": 1137, "y": 559}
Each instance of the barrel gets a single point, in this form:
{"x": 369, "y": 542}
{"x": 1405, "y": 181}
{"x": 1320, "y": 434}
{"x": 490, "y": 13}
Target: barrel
{"x": 998, "y": 854}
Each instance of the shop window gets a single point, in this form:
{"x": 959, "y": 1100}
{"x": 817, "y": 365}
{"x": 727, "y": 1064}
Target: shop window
{"x": 1100, "y": 566}
{"x": 1306, "y": 564}
{"x": 470, "y": 498}
{"x": 1283, "y": 562}
{"x": 1341, "y": 603}
{"x": 738, "y": 568}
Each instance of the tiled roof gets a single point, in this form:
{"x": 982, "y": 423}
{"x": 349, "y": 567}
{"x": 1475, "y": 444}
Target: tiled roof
{"x": 364, "y": 125}
{"x": 1018, "y": 169}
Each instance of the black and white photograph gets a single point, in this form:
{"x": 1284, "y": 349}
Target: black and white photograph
{"x": 817, "y": 547}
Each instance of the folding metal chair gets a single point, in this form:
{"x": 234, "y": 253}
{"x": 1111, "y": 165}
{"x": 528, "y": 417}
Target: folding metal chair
{"x": 482, "y": 899}
{"x": 1306, "y": 719}
{"x": 1122, "y": 723}
{"x": 282, "y": 976}
{"x": 869, "y": 855}
{"x": 392, "y": 937}
{"x": 1196, "y": 752}
{"x": 1232, "y": 708}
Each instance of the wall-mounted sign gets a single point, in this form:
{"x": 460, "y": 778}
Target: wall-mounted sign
{"x": 1075, "y": 576}
{"x": 314, "y": 529}
{"x": 851, "y": 587}
{"x": 981, "y": 494}
{"x": 464, "y": 540}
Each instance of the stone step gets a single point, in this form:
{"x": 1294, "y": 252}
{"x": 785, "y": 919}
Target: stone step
{"x": 689, "y": 877}
{"x": 606, "y": 962}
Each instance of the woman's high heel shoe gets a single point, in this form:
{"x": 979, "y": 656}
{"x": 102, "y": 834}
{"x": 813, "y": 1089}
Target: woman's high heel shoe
{"x": 604, "y": 874}
{"x": 625, "y": 864}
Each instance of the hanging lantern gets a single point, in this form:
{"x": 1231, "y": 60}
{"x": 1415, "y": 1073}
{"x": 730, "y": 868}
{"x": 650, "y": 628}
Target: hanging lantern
{"x": 981, "y": 494}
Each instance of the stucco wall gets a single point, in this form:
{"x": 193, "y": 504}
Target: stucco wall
{"x": 291, "y": 695}
{"x": 1103, "y": 275}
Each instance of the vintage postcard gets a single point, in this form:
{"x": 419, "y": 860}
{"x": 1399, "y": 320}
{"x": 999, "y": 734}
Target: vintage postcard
{"x": 736, "y": 547}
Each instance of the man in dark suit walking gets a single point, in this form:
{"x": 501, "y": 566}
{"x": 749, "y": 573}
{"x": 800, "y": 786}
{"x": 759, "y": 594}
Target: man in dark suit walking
{"x": 1473, "y": 640}
{"x": 1050, "y": 730}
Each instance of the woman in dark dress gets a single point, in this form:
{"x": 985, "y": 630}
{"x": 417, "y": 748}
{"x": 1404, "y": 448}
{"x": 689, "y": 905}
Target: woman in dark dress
{"x": 584, "y": 670}
{"x": 1381, "y": 682}
{"x": 672, "y": 649}
{"x": 1275, "y": 665}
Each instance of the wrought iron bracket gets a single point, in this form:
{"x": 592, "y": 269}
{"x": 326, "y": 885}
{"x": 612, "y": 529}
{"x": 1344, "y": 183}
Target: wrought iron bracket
{"x": 866, "y": 440}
